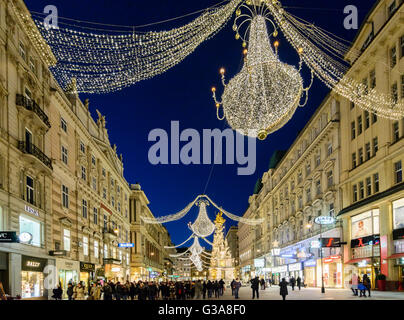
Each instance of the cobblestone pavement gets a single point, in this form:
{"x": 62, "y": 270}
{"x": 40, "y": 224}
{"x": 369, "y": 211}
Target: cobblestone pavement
{"x": 272, "y": 293}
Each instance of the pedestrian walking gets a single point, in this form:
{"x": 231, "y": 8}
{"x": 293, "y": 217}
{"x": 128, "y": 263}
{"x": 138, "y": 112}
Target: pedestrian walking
{"x": 262, "y": 284}
{"x": 70, "y": 291}
{"x": 204, "y": 289}
{"x": 367, "y": 284}
{"x": 254, "y": 287}
{"x": 236, "y": 288}
{"x": 283, "y": 288}
{"x": 293, "y": 283}
{"x": 209, "y": 286}
{"x": 299, "y": 282}
{"x": 354, "y": 284}
{"x": 232, "y": 287}
{"x": 57, "y": 293}
{"x": 198, "y": 290}
{"x": 107, "y": 290}
{"x": 362, "y": 288}
{"x": 78, "y": 292}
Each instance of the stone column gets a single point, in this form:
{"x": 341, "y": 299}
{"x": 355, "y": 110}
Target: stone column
{"x": 14, "y": 265}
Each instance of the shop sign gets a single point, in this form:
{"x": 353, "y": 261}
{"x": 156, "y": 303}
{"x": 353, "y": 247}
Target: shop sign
{"x": 58, "y": 253}
{"x": 280, "y": 269}
{"x": 115, "y": 269}
{"x": 362, "y": 263}
{"x": 365, "y": 241}
{"x": 324, "y": 220}
{"x": 310, "y": 263}
{"x": 8, "y": 236}
{"x": 330, "y": 242}
{"x": 259, "y": 263}
{"x": 126, "y": 245}
{"x": 275, "y": 251}
{"x": 32, "y": 264}
{"x": 33, "y": 211}
{"x": 331, "y": 259}
{"x": 295, "y": 266}
{"x": 87, "y": 267}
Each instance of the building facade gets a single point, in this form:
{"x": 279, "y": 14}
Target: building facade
{"x": 232, "y": 241}
{"x": 372, "y": 154}
{"x": 300, "y": 185}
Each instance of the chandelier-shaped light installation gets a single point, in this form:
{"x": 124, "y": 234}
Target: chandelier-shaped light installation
{"x": 202, "y": 224}
{"x": 103, "y": 62}
{"x": 264, "y": 95}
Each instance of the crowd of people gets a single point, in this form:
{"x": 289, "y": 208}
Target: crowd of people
{"x": 146, "y": 290}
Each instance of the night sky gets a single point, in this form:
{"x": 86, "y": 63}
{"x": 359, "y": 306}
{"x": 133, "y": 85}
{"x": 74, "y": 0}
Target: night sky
{"x": 183, "y": 94}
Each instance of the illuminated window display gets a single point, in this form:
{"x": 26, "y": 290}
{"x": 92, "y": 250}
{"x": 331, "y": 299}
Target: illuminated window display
{"x": 31, "y": 284}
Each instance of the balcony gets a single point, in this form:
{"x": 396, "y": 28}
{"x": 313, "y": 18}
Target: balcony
{"x": 109, "y": 235}
{"x": 32, "y": 106}
{"x": 33, "y": 152}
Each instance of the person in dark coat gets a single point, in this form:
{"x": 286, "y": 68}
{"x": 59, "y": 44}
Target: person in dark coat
{"x": 293, "y": 283}
{"x": 367, "y": 284}
{"x": 132, "y": 291}
{"x": 221, "y": 287}
{"x": 232, "y": 287}
{"x": 70, "y": 291}
{"x": 216, "y": 288}
{"x": 262, "y": 284}
{"x": 204, "y": 289}
{"x": 57, "y": 293}
{"x": 299, "y": 282}
{"x": 209, "y": 286}
{"x": 283, "y": 288}
{"x": 152, "y": 291}
{"x": 107, "y": 291}
{"x": 254, "y": 286}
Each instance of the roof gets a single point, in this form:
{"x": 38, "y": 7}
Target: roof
{"x": 276, "y": 158}
{"x": 258, "y": 186}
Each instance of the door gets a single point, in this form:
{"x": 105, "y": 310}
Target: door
{"x": 28, "y": 140}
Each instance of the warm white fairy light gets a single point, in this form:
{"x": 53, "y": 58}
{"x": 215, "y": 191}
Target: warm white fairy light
{"x": 108, "y": 62}
{"x": 203, "y": 226}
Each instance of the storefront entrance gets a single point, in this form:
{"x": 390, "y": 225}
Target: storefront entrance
{"x": 32, "y": 278}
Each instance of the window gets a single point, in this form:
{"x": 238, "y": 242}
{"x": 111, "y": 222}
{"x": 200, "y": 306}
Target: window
{"x": 29, "y": 190}
{"x": 368, "y": 186}
{"x": 330, "y": 179}
{"x": 367, "y": 151}
{"x": 32, "y": 65}
{"x": 329, "y": 149}
{"x": 299, "y": 177}
{"x": 22, "y": 51}
{"x": 308, "y": 194}
{"x": 394, "y": 93}
{"x": 354, "y": 160}
{"x": 398, "y": 172}
{"x": 84, "y": 209}
{"x": 396, "y": 131}
{"x": 375, "y": 145}
{"x": 352, "y": 104}
{"x": 83, "y": 173}
{"x": 376, "y": 182}
{"x": 359, "y": 125}
{"x": 308, "y": 169}
{"x": 96, "y": 249}
{"x": 353, "y": 130}
{"x": 331, "y": 209}
{"x": 66, "y": 239}
{"x": 361, "y": 190}
{"x": 32, "y": 227}
{"x": 393, "y": 57}
{"x": 402, "y": 46}
{"x": 105, "y": 251}
{"x": 64, "y": 155}
{"x": 367, "y": 119}
{"x": 93, "y": 160}
{"x": 63, "y": 124}
{"x": 95, "y": 216}
{"x": 95, "y": 184}
{"x": 119, "y": 207}
{"x": 360, "y": 155}
{"x": 65, "y": 196}
{"x": 82, "y": 147}
{"x": 318, "y": 160}
{"x": 104, "y": 193}
{"x": 355, "y": 193}
{"x": 318, "y": 187}
{"x": 112, "y": 182}
{"x": 300, "y": 202}
{"x": 105, "y": 222}
{"x": 103, "y": 172}
{"x": 392, "y": 8}
{"x": 85, "y": 246}
{"x": 118, "y": 189}
{"x": 113, "y": 201}
{"x": 402, "y": 86}
{"x": 374, "y": 118}
{"x": 372, "y": 77}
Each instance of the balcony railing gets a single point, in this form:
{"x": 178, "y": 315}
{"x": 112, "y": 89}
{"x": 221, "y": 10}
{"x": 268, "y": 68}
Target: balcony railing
{"x": 32, "y": 149}
{"x": 31, "y": 105}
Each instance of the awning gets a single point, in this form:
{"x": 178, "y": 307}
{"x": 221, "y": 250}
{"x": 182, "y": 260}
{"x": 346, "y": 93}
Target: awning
{"x": 358, "y": 260}
{"x": 396, "y": 256}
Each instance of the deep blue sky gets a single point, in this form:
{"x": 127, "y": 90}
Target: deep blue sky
{"x": 183, "y": 93}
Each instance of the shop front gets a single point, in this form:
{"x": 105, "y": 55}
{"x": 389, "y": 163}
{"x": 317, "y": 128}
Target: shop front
{"x": 398, "y": 239}
{"x": 32, "y": 277}
{"x": 280, "y": 272}
{"x": 296, "y": 270}
{"x": 310, "y": 273}
{"x": 364, "y": 248}
{"x": 332, "y": 271}
{"x": 114, "y": 270}
{"x": 68, "y": 271}
{"x": 246, "y": 273}
{"x": 87, "y": 273}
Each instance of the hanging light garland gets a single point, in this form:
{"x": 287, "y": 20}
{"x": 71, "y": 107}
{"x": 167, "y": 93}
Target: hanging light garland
{"x": 102, "y": 62}
{"x": 203, "y": 226}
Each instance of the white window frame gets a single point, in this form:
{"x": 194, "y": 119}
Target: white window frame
{"x": 85, "y": 246}
{"x": 66, "y": 239}
{"x": 96, "y": 249}
{"x": 65, "y": 156}
{"x": 65, "y": 196}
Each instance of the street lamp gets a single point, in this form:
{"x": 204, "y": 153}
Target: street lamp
{"x": 323, "y": 220}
